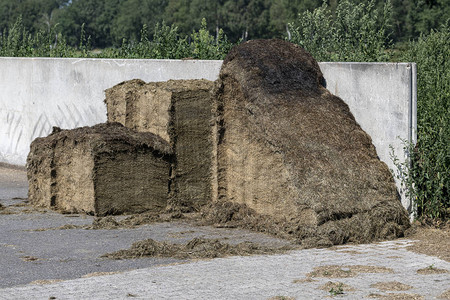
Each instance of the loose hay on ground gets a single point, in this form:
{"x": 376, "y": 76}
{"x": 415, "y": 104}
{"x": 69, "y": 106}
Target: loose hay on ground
{"x": 430, "y": 240}
{"x": 336, "y": 286}
{"x": 431, "y": 270}
{"x": 399, "y": 296}
{"x": 335, "y": 271}
{"x": 391, "y": 286}
{"x": 445, "y": 295}
{"x": 194, "y": 249}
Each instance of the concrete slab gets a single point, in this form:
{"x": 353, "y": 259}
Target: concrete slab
{"x": 261, "y": 277}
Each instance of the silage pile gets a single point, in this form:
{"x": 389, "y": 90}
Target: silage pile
{"x": 104, "y": 169}
{"x": 181, "y": 112}
{"x": 290, "y": 150}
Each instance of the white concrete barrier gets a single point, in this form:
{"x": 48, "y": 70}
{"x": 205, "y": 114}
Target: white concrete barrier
{"x": 38, "y": 93}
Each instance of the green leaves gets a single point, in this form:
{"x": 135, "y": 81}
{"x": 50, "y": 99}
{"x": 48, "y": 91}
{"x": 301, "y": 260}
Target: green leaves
{"x": 431, "y": 163}
{"x": 206, "y": 46}
{"x": 427, "y": 175}
{"x": 356, "y": 32}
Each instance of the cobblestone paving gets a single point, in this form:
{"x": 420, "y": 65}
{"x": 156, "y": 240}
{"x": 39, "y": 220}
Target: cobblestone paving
{"x": 263, "y": 277}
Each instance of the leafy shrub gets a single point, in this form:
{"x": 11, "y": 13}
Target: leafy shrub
{"x": 429, "y": 175}
{"x": 356, "y": 32}
{"x": 18, "y": 41}
{"x": 166, "y": 43}
{"x": 206, "y": 46}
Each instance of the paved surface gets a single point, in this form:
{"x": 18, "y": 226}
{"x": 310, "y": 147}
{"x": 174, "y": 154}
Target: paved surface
{"x": 27, "y": 256}
{"x": 255, "y": 277}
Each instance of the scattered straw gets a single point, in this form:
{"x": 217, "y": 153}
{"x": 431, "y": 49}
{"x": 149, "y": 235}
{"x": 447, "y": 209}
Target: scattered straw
{"x": 391, "y": 286}
{"x": 335, "y": 271}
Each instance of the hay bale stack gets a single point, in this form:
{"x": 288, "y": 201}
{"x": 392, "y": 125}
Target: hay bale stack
{"x": 101, "y": 170}
{"x": 180, "y": 111}
{"x": 289, "y": 149}
{"x": 116, "y": 107}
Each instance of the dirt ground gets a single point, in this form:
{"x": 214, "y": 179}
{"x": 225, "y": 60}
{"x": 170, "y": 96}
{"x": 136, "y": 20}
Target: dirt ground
{"x": 432, "y": 239}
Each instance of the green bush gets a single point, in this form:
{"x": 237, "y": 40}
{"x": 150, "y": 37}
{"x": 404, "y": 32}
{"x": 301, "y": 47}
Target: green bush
{"x": 19, "y": 42}
{"x": 355, "y": 32}
{"x": 166, "y": 43}
{"x": 429, "y": 175}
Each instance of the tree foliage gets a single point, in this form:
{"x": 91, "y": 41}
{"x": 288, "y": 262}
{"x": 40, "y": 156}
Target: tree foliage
{"x": 108, "y": 22}
{"x": 429, "y": 176}
{"x": 355, "y": 32}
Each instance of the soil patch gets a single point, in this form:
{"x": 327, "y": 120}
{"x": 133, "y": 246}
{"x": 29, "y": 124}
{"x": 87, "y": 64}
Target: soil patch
{"x": 431, "y": 239}
{"x": 194, "y": 249}
{"x": 335, "y": 271}
{"x": 391, "y": 286}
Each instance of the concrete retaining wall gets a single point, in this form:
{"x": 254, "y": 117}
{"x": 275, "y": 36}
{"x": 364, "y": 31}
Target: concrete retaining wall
{"x": 38, "y": 93}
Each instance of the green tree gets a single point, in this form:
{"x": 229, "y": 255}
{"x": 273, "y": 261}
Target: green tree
{"x": 132, "y": 15}
{"x": 283, "y": 12}
{"x": 97, "y": 16}
{"x": 247, "y": 19}
{"x": 35, "y": 14}
{"x": 356, "y": 32}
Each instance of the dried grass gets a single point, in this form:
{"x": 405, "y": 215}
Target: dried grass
{"x": 391, "y": 286}
{"x": 195, "y": 249}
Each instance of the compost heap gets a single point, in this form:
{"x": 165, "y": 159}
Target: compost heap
{"x": 292, "y": 152}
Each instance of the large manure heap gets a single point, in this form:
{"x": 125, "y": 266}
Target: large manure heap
{"x": 104, "y": 169}
{"x": 290, "y": 150}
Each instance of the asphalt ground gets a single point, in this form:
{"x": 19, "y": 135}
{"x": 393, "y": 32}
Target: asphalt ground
{"x": 39, "y": 260}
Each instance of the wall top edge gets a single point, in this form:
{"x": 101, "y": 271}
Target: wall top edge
{"x": 187, "y": 60}
{"x": 108, "y": 59}
{"x": 367, "y": 63}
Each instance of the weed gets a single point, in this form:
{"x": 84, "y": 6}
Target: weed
{"x": 339, "y": 290}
